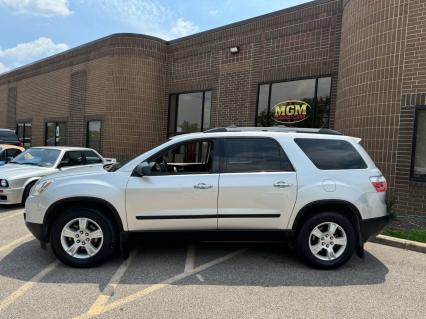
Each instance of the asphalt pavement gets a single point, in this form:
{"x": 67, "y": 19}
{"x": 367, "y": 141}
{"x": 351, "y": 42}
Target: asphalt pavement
{"x": 181, "y": 279}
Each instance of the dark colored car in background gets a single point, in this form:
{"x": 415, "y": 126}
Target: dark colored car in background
{"x": 9, "y": 137}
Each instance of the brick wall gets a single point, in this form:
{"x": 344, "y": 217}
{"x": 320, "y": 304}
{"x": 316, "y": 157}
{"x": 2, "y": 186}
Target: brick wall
{"x": 295, "y": 43}
{"x": 382, "y": 78}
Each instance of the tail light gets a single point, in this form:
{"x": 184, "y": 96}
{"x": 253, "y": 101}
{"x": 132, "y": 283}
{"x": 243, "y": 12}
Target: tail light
{"x": 379, "y": 183}
{"x": 21, "y": 144}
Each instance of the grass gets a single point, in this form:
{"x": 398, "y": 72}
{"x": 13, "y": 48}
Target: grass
{"x": 411, "y": 234}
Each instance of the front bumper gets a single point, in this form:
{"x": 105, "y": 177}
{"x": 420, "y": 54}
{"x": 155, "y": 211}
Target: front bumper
{"x": 372, "y": 226}
{"x": 37, "y": 230}
{"x": 10, "y": 196}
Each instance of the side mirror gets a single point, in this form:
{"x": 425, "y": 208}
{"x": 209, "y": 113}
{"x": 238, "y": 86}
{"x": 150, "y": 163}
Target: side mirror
{"x": 143, "y": 169}
{"x": 9, "y": 158}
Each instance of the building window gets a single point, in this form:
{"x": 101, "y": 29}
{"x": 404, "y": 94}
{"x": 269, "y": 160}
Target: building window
{"x": 302, "y": 103}
{"x": 24, "y": 132}
{"x": 418, "y": 166}
{"x": 94, "y": 135}
{"x": 189, "y": 112}
{"x": 55, "y": 134}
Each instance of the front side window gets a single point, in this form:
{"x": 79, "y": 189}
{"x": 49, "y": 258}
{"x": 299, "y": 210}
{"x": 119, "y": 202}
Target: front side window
{"x": 189, "y": 112}
{"x": 254, "y": 155}
{"x": 24, "y": 132}
{"x": 55, "y": 134}
{"x": 301, "y": 103}
{"x": 186, "y": 158}
{"x": 418, "y": 167}
{"x": 38, "y": 157}
{"x": 94, "y": 135}
{"x": 331, "y": 154}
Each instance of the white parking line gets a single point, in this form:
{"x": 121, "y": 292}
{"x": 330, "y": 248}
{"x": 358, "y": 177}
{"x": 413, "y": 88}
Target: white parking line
{"x": 16, "y": 242}
{"x": 190, "y": 258}
{"x": 166, "y": 283}
{"x": 108, "y": 291}
{"x": 27, "y": 286}
{"x": 10, "y": 216}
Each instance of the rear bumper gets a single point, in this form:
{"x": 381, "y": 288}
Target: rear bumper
{"x": 372, "y": 226}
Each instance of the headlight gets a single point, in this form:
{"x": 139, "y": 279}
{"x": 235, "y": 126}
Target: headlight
{"x": 4, "y": 183}
{"x": 40, "y": 187}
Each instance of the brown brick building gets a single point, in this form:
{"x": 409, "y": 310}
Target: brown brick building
{"x": 360, "y": 65}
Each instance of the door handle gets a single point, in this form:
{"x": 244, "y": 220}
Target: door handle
{"x": 282, "y": 185}
{"x": 203, "y": 186}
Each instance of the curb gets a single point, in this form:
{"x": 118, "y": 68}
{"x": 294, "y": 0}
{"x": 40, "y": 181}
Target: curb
{"x": 399, "y": 243}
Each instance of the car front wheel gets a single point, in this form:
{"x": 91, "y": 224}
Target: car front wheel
{"x": 83, "y": 237}
{"x": 326, "y": 240}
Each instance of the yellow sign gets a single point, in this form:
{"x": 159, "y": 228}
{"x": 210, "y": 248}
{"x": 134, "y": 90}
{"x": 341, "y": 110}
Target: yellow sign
{"x": 291, "y": 111}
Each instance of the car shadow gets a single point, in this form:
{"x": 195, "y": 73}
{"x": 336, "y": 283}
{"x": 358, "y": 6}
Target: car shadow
{"x": 261, "y": 264}
{"x": 9, "y": 208}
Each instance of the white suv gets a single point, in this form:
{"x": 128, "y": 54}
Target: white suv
{"x": 315, "y": 186}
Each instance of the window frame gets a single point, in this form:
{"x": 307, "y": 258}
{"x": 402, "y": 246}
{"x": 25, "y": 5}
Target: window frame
{"x": 283, "y": 156}
{"x": 270, "y": 83}
{"x": 100, "y": 133}
{"x": 24, "y": 124}
{"x": 57, "y": 123}
{"x": 418, "y": 109}
{"x": 169, "y": 134}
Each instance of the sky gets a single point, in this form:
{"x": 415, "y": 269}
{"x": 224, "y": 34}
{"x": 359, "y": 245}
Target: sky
{"x": 34, "y": 29}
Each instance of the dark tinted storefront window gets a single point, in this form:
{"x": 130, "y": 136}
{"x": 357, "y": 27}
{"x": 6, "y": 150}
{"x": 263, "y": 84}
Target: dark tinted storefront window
{"x": 94, "y": 135}
{"x": 331, "y": 154}
{"x": 301, "y": 103}
{"x": 189, "y": 112}
{"x": 24, "y": 132}
{"x": 418, "y": 171}
{"x": 55, "y": 134}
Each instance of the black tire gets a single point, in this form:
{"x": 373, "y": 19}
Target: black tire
{"x": 303, "y": 240}
{"x": 108, "y": 246}
{"x": 27, "y": 192}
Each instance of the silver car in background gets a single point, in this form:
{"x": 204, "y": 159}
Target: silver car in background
{"x": 19, "y": 175}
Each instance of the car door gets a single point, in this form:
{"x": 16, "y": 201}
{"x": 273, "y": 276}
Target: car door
{"x": 257, "y": 186}
{"x": 180, "y": 192}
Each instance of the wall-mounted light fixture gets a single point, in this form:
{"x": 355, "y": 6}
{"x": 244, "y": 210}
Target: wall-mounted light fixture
{"x": 234, "y": 50}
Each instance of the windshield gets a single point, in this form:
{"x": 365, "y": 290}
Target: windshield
{"x": 43, "y": 157}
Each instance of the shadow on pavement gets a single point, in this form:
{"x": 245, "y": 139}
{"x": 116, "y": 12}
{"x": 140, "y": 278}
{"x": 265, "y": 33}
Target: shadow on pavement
{"x": 265, "y": 264}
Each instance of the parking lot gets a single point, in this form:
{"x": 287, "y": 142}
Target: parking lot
{"x": 205, "y": 280}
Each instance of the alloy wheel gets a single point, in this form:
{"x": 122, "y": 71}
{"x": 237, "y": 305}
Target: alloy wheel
{"x": 82, "y": 238}
{"x": 327, "y": 241}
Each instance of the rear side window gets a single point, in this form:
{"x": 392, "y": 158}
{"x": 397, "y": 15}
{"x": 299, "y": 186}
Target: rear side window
{"x": 91, "y": 157}
{"x": 331, "y": 154}
{"x": 254, "y": 155}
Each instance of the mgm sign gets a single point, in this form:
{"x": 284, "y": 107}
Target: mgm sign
{"x": 291, "y": 111}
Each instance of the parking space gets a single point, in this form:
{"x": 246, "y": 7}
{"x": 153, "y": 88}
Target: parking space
{"x": 204, "y": 280}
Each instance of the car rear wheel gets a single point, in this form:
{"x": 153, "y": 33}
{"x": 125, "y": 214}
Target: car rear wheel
{"x": 83, "y": 237}
{"x": 326, "y": 240}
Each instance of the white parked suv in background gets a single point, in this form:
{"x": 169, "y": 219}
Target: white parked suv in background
{"x": 315, "y": 186}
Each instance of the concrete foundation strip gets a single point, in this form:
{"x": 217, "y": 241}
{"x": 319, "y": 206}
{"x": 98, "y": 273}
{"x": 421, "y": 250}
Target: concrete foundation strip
{"x": 400, "y": 243}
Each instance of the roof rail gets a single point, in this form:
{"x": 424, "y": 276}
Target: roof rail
{"x": 274, "y": 129}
